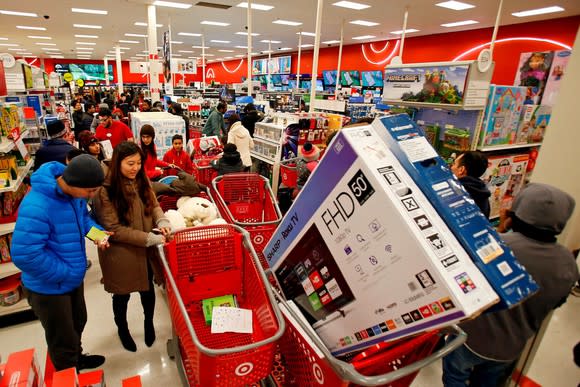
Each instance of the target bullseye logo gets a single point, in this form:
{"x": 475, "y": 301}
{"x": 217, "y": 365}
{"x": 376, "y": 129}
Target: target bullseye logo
{"x": 259, "y": 239}
{"x": 244, "y": 369}
{"x": 318, "y": 374}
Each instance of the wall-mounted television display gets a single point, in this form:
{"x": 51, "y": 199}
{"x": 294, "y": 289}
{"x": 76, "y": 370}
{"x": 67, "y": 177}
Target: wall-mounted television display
{"x": 278, "y": 65}
{"x": 372, "y": 78}
{"x": 350, "y": 78}
{"x": 28, "y": 81}
{"x": 329, "y": 77}
{"x": 85, "y": 71}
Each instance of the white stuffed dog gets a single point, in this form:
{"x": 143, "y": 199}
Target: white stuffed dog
{"x": 198, "y": 211}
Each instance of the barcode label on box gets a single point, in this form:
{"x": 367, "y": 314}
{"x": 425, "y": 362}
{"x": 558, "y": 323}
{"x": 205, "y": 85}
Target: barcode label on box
{"x": 489, "y": 251}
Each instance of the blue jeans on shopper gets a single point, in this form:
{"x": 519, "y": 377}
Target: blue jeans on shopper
{"x": 462, "y": 366}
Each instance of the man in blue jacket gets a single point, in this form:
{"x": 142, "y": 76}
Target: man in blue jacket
{"x": 56, "y": 148}
{"x": 48, "y": 246}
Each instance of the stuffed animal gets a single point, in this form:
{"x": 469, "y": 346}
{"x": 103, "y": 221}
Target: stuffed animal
{"x": 176, "y": 219}
{"x": 198, "y": 211}
{"x": 182, "y": 200}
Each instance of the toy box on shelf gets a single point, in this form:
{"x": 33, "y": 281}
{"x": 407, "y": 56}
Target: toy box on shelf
{"x": 533, "y": 124}
{"x": 502, "y": 115}
{"x": 533, "y": 71}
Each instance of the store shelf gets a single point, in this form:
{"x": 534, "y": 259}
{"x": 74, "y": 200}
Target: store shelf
{"x": 6, "y": 228}
{"x": 267, "y": 140}
{"x": 507, "y": 147}
{"x": 7, "y": 145}
{"x": 7, "y": 269}
{"x": 442, "y": 106}
{"x": 20, "y": 306}
{"x": 270, "y": 125}
{"x": 262, "y": 158}
{"x": 22, "y": 172}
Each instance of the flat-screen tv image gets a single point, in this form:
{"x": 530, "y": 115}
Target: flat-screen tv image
{"x": 228, "y": 95}
{"x": 28, "y": 81}
{"x": 278, "y": 65}
{"x": 372, "y": 78}
{"x": 305, "y": 84}
{"x": 319, "y": 85}
{"x": 292, "y": 84}
{"x": 285, "y": 79}
{"x": 350, "y": 78}
{"x": 85, "y": 71}
{"x": 46, "y": 80}
{"x": 276, "y": 79}
{"x": 329, "y": 77}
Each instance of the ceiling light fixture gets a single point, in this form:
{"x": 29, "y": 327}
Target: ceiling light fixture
{"x": 3, "y": 38}
{"x": 226, "y": 50}
{"x": 214, "y": 23}
{"x": 270, "y": 41}
{"x": 331, "y": 42}
{"x": 245, "y": 47}
{"x": 306, "y": 33}
{"x": 287, "y": 22}
{"x": 50, "y": 49}
{"x": 459, "y": 23}
{"x": 364, "y": 37}
{"x": 136, "y": 35}
{"x": 31, "y": 28}
{"x": 90, "y": 26}
{"x": 87, "y": 36}
{"x": 455, "y": 5}
{"x": 188, "y": 34}
{"x": 17, "y": 13}
{"x": 186, "y": 51}
{"x": 176, "y": 42}
{"x": 91, "y": 11}
{"x": 246, "y": 34}
{"x": 57, "y": 56}
{"x": 284, "y": 48}
{"x": 364, "y": 23}
{"x": 240, "y": 56}
{"x": 259, "y": 7}
{"x": 16, "y": 49}
{"x": 207, "y": 55}
{"x": 172, "y": 4}
{"x": 220, "y": 41}
{"x": 538, "y": 11}
{"x": 8, "y": 44}
{"x": 129, "y": 41}
{"x": 351, "y": 5}
{"x": 45, "y": 44}
{"x": 407, "y": 31}
{"x": 39, "y": 37}
{"x": 307, "y": 45}
{"x": 141, "y": 24}
{"x": 86, "y": 43}
{"x": 176, "y": 55}
{"x": 206, "y": 47}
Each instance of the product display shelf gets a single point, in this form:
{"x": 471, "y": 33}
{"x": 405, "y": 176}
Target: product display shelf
{"x": 6, "y": 228}
{"x": 7, "y": 269}
{"x": 20, "y": 306}
{"x": 22, "y": 172}
{"x": 7, "y": 145}
{"x": 508, "y": 147}
{"x": 268, "y": 148}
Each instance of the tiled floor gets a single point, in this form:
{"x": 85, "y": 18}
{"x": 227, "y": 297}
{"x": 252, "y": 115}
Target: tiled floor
{"x": 553, "y": 365}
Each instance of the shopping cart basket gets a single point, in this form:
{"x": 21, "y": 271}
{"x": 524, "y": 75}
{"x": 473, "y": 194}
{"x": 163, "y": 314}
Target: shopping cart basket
{"x": 169, "y": 202}
{"x": 203, "y": 171}
{"x": 288, "y": 173}
{"x": 212, "y": 261}
{"x": 308, "y": 363}
{"x": 246, "y": 199}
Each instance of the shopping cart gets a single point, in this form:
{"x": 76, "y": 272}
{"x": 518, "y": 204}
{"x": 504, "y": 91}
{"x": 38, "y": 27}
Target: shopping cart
{"x": 288, "y": 173}
{"x": 169, "y": 202}
{"x": 212, "y": 261}
{"x": 246, "y": 199}
{"x": 308, "y": 363}
{"x": 203, "y": 171}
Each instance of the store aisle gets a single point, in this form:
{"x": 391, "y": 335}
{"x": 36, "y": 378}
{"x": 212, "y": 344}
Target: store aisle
{"x": 553, "y": 366}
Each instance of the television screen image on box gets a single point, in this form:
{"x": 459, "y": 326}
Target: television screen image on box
{"x": 372, "y": 78}
{"x": 329, "y": 78}
{"x": 305, "y": 84}
{"x": 311, "y": 277}
{"x": 350, "y": 78}
{"x": 292, "y": 84}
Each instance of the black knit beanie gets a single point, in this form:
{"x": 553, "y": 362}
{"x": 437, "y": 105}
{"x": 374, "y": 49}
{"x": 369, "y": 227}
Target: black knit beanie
{"x": 84, "y": 171}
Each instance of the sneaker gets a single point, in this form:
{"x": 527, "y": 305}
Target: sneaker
{"x": 90, "y": 361}
{"x": 89, "y": 264}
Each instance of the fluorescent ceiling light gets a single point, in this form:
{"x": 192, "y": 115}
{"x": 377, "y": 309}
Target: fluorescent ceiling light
{"x": 364, "y": 23}
{"x": 270, "y": 41}
{"x": 267, "y": 52}
{"x": 407, "y": 31}
{"x": 39, "y": 37}
{"x": 220, "y": 41}
{"x": 259, "y": 7}
{"x": 455, "y": 5}
{"x": 8, "y": 44}
{"x": 91, "y": 11}
{"x": 240, "y": 56}
{"x": 206, "y": 47}
{"x": 331, "y": 42}
{"x": 124, "y": 48}
{"x": 207, "y": 55}
{"x": 192, "y": 57}
{"x": 363, "y": 37}
{"x": 50, "y": 49}
{"x": 16, "y": 49}
{"x": 242, "y": 47}
{"x": 3, "y": 38}
{"x": 83, "y": 56}
{"x": 141, "y": 24}
{"x": 351, "y": 5}
{"x": 460, "y": 23}
{"x": 137, "y": 35}
{"x": 87, "y": 36}
{"x": 176, "y": 42}
{"x": 186, "y": 51}
{"x": 86, "y": 43}
{"x": 176, "y": 55}
{"x": 57, "y": 56}
{"x": 172, "y": 4}
{"x": 129, "y": 41}
{"x": 287, "y": 22}
{"x": 31, "y": 28}
{"x": 45, "y": 44}
{"x": 228, "y": 57}
{"x": 307, "y": 45}
{"x": 284, "y": 48}
{"x": 141, "y": 55}
{"x": 28, "y": 54}
{"x": 306, "y": 33}
{"x": 226, "y": 50}
{"x": 188, "y": 34}
{"x": 538, "y": 11}
{"x": 246, "y": 34}
{"x": 254, "y": 53}
{"x": 214, "y": 23}
{"x": 91, "y": 26}
{"x": 84, "y": 50}
{"x": 17, "y": 13}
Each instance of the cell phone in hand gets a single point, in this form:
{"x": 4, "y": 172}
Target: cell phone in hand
{"x": 97, "y": 235}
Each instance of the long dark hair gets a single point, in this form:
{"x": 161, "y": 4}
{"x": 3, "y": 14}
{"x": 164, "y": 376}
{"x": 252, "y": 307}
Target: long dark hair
{"x": 117, "y": 190}
{"x": 148, "y": 150}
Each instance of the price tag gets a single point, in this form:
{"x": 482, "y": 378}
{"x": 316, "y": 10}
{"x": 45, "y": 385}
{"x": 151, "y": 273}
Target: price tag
{"x": 22, "y": 149}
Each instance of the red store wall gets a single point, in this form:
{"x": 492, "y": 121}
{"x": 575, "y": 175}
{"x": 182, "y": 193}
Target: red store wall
{"x": 432, "y": 48}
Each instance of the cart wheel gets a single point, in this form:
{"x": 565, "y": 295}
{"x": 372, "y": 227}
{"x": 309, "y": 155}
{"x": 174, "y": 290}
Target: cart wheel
{"x": 171, "y": 348}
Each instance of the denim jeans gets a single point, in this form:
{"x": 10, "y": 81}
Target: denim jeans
{"x": 463, "y": 366}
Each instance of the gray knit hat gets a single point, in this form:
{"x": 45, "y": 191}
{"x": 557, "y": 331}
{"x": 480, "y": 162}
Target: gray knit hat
{"x": 544, "y": 207}
{"x": 84, "y": 171}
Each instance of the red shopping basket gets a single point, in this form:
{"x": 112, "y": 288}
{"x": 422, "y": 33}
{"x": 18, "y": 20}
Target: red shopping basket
{"x": 246, "y": 199}
{"x": 203, "y": 171}
{"x": 288, "y": 173}
{"x": 212, "y": 261}
{"x": 307, "y": 362}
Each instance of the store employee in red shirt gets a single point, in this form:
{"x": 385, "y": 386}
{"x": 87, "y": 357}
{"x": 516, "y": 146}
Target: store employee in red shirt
{"x": 112, "y": 130}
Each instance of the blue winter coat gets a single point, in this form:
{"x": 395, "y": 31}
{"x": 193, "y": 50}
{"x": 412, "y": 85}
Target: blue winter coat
{"x": 55, "y": 149}
{"x": 48, "y": 243}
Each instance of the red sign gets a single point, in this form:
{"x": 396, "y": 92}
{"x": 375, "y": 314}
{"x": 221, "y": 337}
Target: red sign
{"x": 3, "y": 88}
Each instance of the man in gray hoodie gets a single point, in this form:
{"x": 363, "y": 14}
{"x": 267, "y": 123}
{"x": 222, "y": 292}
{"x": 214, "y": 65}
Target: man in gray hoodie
{"x": 496, "y": 340}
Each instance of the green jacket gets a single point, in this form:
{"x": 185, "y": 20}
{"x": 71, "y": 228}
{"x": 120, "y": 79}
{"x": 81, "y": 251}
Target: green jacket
{"x": 215, "y": 124}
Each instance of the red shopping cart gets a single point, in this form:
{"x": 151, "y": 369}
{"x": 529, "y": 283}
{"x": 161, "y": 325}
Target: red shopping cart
{"x": 288, "y": 173}
{"x": 203, "y": 171}
{"x": 212, "y": 261}
{"x": 169, "y": 202}
{"x": 308, "y": 363}
{"x": 246, "y": 199}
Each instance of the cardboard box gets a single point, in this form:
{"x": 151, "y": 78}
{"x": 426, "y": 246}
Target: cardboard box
{"x": 92, "y": 379}
{"x": 166, "y": 126}
{"x": 134, "y": 381}
{"x": 65, "y": 378}
{"x": 365, "y": 256}
{"x": 504, "y": 177}
{"x": 557, "y": 72}
{"x": 502, "y": 115}
{"x": 496, "y": 261}
{"x": 22, "y": 370}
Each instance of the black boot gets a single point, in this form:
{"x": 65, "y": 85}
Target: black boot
{"x": 120, "y": 312}
{"x": 148, "y": 302}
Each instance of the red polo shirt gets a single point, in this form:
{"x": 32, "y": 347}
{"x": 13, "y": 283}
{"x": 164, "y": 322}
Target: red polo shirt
{"x": 116, "y": 133}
